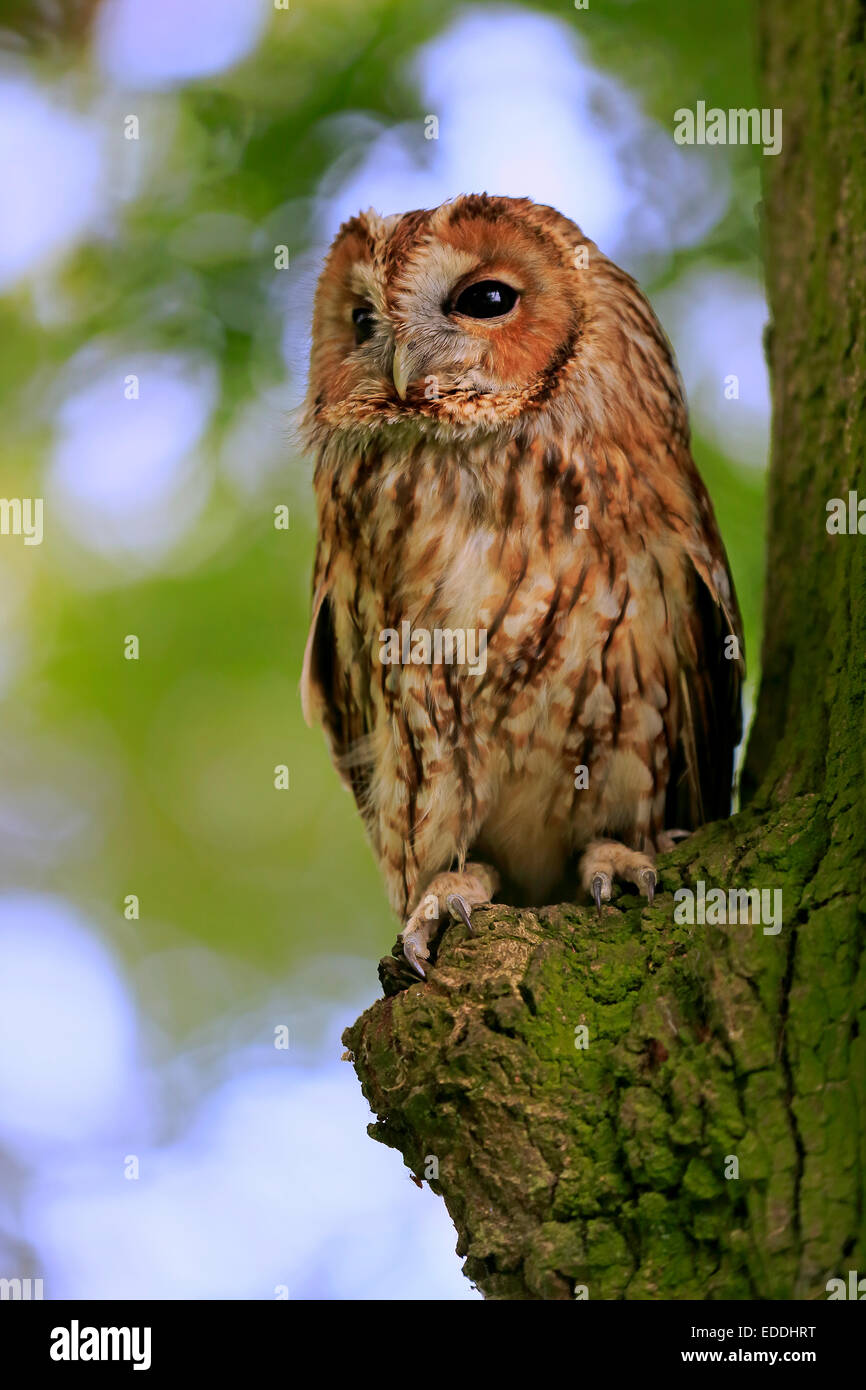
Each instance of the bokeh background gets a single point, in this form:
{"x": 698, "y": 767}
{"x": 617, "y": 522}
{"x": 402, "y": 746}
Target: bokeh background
{"x": 154, "y": 1141}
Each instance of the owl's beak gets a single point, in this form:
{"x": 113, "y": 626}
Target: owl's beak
{"x": 400, "y": 369}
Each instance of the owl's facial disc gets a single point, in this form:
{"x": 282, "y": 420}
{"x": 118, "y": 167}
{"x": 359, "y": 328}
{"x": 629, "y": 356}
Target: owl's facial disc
{"x": 476, "y": 304}
{"x": 478, "y": 301}
{"x": 481, "y": 304}
{"x": 454, "y": 320}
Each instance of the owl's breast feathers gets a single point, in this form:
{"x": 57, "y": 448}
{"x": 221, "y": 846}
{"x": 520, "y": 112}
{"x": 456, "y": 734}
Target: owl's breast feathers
{"x": 586, "y": 619}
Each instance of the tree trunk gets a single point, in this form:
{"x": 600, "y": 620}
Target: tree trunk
{"x": 705, "y": 1136}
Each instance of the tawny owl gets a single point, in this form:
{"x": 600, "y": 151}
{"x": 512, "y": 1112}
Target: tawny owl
{"x": 525, "y": 643}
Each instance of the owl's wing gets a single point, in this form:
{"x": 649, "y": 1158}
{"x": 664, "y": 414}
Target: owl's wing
{"x": 711, "y": 677}
{"x": 332, "y": 694}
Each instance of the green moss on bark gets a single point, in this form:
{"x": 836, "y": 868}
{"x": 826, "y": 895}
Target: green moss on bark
{"x": 608, "y": 1165}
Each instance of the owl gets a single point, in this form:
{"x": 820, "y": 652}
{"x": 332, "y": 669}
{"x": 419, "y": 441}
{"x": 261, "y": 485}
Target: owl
{"x": 525, "y": 645}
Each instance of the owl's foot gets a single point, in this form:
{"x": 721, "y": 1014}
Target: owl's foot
{"x": 452, "y": 895}
{"x": 605, "y": 860}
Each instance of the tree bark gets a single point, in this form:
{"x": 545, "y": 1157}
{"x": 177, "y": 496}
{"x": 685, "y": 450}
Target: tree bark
{"x": 706, "y": 1136}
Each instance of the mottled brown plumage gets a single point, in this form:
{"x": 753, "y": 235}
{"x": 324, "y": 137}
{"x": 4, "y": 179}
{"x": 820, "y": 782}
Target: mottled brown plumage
{"x": 527, "y": 475}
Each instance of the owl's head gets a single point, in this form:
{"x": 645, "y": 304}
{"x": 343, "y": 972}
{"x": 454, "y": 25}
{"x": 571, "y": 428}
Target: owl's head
{"x": 469, "y": 313}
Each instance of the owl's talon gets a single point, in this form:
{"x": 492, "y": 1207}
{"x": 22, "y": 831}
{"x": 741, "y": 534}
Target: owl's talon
{"x": 460, "y": 911}
{"x": 604, "y": 860}
{"x": 454, "y": 894}
{"x": 647, "y": 884}
{"x": 411, "y": 953}
{"x": 601, "y": 889}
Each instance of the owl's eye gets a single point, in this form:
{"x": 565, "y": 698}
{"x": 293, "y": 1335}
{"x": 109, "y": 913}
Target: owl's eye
{"x": 364, "y": 320}
{"x": 488, "y": 299}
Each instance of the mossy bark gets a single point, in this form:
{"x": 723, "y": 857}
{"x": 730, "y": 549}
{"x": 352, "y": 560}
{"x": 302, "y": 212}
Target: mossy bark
{"x": 608, "y": 1166}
